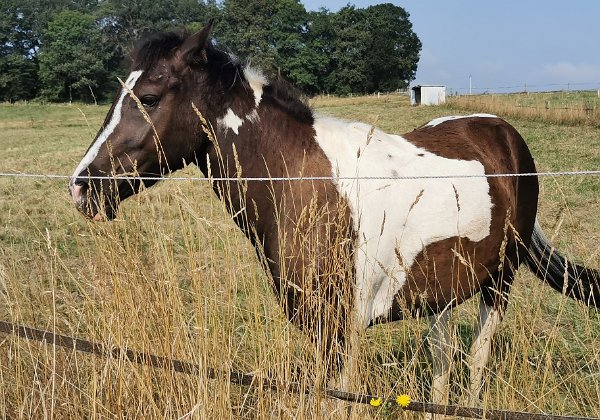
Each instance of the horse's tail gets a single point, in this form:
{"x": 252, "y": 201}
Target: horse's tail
{"x": 575, "y": 281}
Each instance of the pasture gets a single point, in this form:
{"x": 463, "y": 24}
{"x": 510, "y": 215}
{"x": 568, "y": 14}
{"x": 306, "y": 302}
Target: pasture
{"x": 563, "y": 107}
{"x": 173, "y": 276}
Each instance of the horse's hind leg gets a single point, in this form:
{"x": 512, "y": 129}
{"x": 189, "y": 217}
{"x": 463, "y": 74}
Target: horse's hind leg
{"x": 489, "y": 320}
{"x": 492, "y": 305}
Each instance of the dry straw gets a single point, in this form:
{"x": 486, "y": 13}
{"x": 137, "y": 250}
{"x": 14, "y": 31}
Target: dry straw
{"x": 173, "y": 276}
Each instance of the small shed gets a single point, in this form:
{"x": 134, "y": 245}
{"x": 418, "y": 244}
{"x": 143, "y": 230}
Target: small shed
{"x": 428, "y": 95}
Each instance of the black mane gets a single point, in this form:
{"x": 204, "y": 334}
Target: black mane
{"x": 284, "y": 95}
{"x": 222, "y": 67}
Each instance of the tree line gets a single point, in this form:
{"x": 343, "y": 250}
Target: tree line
{"x": 63, "y": 50}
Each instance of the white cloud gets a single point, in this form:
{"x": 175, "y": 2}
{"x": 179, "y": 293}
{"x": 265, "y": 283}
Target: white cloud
{"x": 568, "y": 72}
{"x": 490, "y": 66}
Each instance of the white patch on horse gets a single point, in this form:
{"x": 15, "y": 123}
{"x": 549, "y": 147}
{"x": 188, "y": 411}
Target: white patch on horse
{"x": 257, "y": 81}
{"x": 441, "y": 120}
{"x": 230, "y": 121}
{"x": 108, "y": 129}
{"x": 417, "y": 213}
{"x": 233, "y": 121}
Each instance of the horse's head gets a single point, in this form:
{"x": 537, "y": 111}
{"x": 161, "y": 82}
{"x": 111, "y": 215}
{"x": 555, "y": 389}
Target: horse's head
{"x": 152, "y": 128}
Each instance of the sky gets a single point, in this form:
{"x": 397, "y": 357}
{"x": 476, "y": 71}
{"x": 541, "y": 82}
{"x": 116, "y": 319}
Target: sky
{"x": 508, "y": 45}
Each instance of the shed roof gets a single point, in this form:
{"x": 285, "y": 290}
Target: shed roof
{"x": 422, "y": 86}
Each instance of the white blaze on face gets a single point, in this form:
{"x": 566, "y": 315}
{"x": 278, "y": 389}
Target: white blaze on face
{"x": 108, "y": 129}
{"x": 399, "y": 217}
{"x": 438, "y": 121}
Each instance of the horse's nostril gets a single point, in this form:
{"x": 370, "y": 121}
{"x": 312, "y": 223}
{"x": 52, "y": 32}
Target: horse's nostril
{"x": 78, "y": 190}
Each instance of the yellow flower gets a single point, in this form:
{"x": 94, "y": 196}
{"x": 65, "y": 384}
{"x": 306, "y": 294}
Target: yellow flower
{"x": 403, "y": 400}
{"x": 375, "y": 402}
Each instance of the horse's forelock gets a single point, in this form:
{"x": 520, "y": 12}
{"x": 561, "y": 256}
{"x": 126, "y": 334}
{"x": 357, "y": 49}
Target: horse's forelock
{"x": 156, "y": 47}
{"x": 150, "y": 50}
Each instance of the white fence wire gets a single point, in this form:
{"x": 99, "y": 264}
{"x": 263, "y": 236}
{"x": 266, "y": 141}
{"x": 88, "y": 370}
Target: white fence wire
{"x": 299, "y": 178}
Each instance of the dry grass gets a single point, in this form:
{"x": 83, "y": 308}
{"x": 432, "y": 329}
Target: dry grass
{"x": 174, "y": 277}
{"x": 563, "y": 108}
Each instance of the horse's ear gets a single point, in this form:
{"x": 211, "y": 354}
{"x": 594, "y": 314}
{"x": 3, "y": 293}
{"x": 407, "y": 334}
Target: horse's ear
{"x": 193, "y": 50}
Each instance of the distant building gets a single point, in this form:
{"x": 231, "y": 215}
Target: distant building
{"x": 428, "y": 95}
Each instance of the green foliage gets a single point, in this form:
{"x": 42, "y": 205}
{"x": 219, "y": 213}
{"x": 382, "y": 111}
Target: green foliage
{"x": 349, "y": 72}
{"x": 351, "y": 51}
{"x": 19, "y": 40}
{"x": 124, "y": 23}
{"x": 371, "y": 50}
{"x": 392, "y": 51}
{"x": 18, "y": 78}
{"x": 317, "y": 52}
{"x": 67, "y": 49}
{"x": 71, "y": 64}
{"x": 246, "y": 30}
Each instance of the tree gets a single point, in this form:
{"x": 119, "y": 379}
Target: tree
{"x": 393, "y": 48}
{"x": 21, "y": 25}
{"x": 18, "y": 47}
{"x": 245, "y": 29}
{"x": 349, "y": 70}
{"x": 18, "y": 77}
{"x": 313, "y": 63}
{"x": 270, "y": 33}
{"x": 373, "y": 49}
{"x": 124, "y": 23}
{"x": 72, "y": 62}
{"x": 66, "y": 49}
{"x": 286, "y": 34}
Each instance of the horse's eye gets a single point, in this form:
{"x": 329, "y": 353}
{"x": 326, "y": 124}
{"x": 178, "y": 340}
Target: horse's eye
{"x": 149, "y": 101}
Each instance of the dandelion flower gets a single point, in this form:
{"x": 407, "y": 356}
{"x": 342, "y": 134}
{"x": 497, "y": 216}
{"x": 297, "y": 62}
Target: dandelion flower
{"x": 375, "y": 402}
{"x": 403, "y": 400}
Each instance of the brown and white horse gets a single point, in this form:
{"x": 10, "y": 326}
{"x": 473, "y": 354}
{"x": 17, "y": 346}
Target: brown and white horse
{"x": 418, "y": 244}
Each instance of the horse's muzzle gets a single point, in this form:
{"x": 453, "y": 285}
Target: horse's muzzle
{"x": 86, "y": 203}
{"x": 78, "y": 190}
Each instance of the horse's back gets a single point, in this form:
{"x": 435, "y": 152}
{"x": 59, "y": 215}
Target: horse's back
{"x": 482, "y": 137}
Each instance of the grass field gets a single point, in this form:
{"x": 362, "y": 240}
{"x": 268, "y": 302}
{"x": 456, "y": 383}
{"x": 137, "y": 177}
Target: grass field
{"x": 174, "y": 277}
{"x": 567, "y": 108}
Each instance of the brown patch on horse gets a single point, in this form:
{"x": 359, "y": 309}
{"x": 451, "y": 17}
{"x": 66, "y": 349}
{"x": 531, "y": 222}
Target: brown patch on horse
{"x": 306, "y": 244}
{"x": 301, "y": 229}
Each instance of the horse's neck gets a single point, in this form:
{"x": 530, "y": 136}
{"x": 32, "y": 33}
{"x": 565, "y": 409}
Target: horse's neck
{"x": 269, "y": 143}
{"x": 275, "y": 144}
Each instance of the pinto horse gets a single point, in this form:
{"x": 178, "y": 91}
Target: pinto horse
{"x": 378, "y": 247}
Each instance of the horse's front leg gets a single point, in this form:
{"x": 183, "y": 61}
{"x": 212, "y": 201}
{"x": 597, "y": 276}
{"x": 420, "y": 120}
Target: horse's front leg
{"x": 443, "y": 346}
{"x": 340, "y": 380}
{"x": 345, "y": 378}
